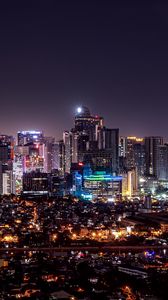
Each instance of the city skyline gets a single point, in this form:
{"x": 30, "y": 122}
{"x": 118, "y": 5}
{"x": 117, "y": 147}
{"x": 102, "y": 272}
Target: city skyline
{"x": 109, "y": 56}
{"x": 75, "y": 112}
{"x": 83, "y": 149}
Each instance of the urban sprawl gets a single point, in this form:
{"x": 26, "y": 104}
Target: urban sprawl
{"x": 85, "y": 217}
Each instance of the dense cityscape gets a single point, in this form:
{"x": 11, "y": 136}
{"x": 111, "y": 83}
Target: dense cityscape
{"x": 84, "y": 217}
{"x": 83, "y": 150}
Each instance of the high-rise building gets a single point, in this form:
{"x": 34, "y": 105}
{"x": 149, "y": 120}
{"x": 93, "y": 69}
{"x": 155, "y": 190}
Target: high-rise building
{"x": 99, "y": 160}
{"x": 130, "y": 160}
{"x": 32, "y": 136}
{"x": 162, "y": 162}
{"x": 1, "y": 179}
{"x": 122, "y": 146}
{"x": 34, "y": 160}
{"x": 36, "y": 151}
{"x": 129, "y": 183}
{"x": 133, "y": 150}
{"x": 57, "y": 184}
{"x": 61, "y": 157}
{"x": 84, "y": 133}
{"x": 108, "y": 141}
{"x": 90, "y": 142}
{"x": 8, "y": 183}
{"x": 18, "y": 172}
{"x": 67, "y": 139}
{"x": 75, "y": 137}
{"x": 56, "y": 156}
{"x": 85, "y": 122}
{"x": 6, "y": 148}
{"x": 6, "y": 164}
{"x": 48, "y": 154}
{"x": 132, "y": 155}
{"x": 103, "y": 186}
{"x": 35, "y": 183}
{"x": 111, "y": 144}
{"x": 151, "y": 150}
{"x": 83, "y": 145}
{"x": 139, "y": 157}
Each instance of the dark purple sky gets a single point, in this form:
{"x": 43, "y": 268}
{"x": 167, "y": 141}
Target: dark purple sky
{"x": 109, "y": 55}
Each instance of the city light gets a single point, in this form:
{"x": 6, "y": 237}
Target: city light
{"x": 84, "y": 193}
{"x": 79, "y": 110}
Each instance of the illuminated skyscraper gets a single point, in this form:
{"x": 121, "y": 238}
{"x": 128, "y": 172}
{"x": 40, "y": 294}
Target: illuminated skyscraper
{"x": 108, "y": 145}
{"x": 35, "y": 183}
{"x": 122, "y": 146}
{"x": 151, "y": 150}
{"x": 6, "y": 148}
{"x": 6, "y": 164}
{"x": 139, "y": 157}
{"x": 48, "y": 154}
{"x": 75, "y": 138}
{"x": 32, "y": 136}
{"x": 61, "y": 157}
{"x": 162, "y": 162}
{"x": 67, "y": 139}
{"x": 18, "y": 172}
{"x": 90, "y": 142}
{"x": 8, "y": 183}
{"x": 86, "y": 123}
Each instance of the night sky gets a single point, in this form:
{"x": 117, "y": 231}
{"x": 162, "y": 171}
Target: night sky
{"x": 111, "y": 56}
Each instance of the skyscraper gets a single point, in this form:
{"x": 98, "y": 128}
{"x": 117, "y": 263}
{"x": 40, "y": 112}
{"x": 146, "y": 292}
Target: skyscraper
{"x": 75, "y": 137}
{"x": 90, "y": 142}
{"x": 67, "y": 139}
{"x": 48, "y": 154}
{"x": 151, "y": 150}
{"x": 6, "y": 148}
{"x": 6, "y": 164}
{"x": 132, "y": 149}
{"x": 111, "y": 143}
{"x": 139, "y": 157}
{"x": 32, "y": 136}
{"x": 86, "y": 123}
{"x": 162, "y": 162}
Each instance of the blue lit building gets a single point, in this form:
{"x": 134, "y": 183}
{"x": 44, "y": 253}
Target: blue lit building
{"x": 77, "y": 184}
{"x": 78, "y": 172}
{"x": 102, "y": 185}
{"x": 89, "y": 185}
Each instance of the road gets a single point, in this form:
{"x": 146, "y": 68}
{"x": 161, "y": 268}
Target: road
{"x": 86, "y": 248}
